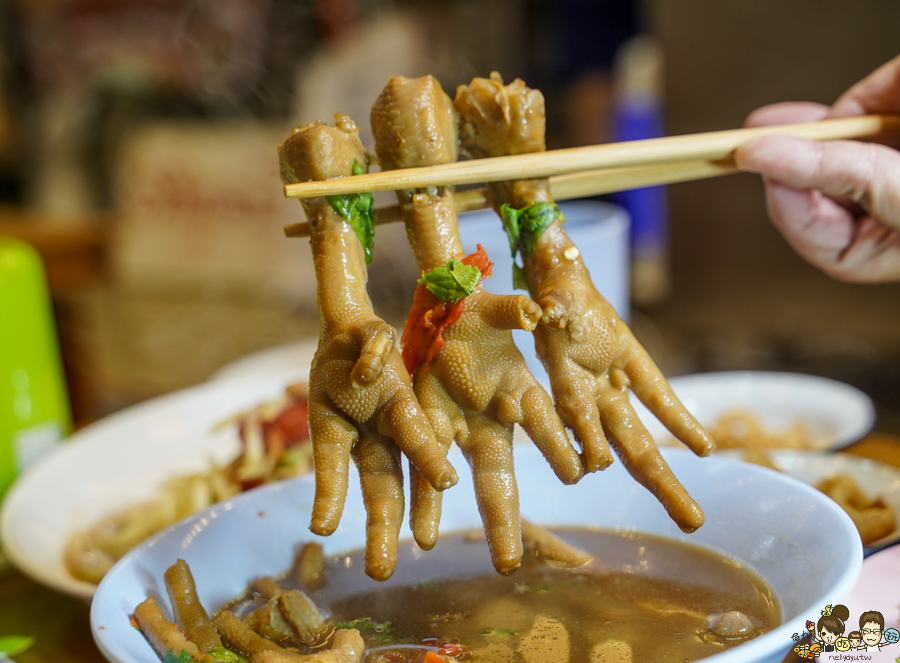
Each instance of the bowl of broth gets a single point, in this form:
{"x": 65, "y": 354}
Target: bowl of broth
{"x": 772, "y": 549}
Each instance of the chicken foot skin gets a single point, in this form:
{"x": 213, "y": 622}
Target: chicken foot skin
{"x": 590, "y": 354}
{"x": 361, "y": 400}
{"x": 478, "y": 385}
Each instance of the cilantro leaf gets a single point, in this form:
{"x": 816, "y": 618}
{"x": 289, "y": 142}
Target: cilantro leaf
{"x": 184, "y": 656}
{"x": 520, "y": 282}
{"x": 498, "y": 631}
{"x": 377, "y": 633}
{"x": 453, "y": 281}
{"x": 358, "y": 210}
{"x": 524, "y": 226}
{"x": 365, "y": 624}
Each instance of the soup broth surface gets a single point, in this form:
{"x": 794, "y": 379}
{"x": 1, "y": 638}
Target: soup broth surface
{"x": 642, "y": 598}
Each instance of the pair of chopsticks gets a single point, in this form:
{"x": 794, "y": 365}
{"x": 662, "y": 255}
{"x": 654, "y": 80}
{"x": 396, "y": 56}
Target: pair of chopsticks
{"x": 588, "y": 171}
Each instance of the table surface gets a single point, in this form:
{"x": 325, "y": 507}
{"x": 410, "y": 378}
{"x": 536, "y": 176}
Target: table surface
{"x": 60, "y": 624}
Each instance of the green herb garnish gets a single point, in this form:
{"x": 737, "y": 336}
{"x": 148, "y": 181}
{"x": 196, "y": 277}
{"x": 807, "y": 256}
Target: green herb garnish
{"x": 451, "y": 282}
{"x": 524, "y": 226}
{"x": 223, "y": 655}
{"x": 184, "y": 656}
{"x": 378, "y": 633}
{"x": 498, "y": 631}
{"x": 358, "y": 210}
{"x": 365, "y": 624}
{"x": 520, "y": 281}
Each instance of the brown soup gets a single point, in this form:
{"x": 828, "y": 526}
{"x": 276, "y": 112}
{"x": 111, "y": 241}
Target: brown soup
{"x": 643, "y": 598}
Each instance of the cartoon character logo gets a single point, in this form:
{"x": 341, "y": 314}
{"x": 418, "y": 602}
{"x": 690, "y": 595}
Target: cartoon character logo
{"x": 807, "y": 650}
{"x": 874, "y": 636}
{"x": 827, "y": 634}
{"x": 830, "y": 626}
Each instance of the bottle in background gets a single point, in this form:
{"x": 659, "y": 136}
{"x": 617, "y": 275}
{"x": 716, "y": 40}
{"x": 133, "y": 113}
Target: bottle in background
{"x": 34, "y": 407}
{"x": 637, "y": 114}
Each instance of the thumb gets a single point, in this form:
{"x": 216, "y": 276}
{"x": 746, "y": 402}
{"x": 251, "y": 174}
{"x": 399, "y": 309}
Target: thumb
{"x": 866, "y": 173}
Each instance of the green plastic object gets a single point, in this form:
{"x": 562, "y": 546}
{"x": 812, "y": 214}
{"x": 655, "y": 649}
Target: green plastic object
{"x": 13, "y": 645}
{"x": 34, "y": 403}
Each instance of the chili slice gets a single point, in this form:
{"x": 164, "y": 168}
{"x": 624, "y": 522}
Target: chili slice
{"x": 429, "y": 318}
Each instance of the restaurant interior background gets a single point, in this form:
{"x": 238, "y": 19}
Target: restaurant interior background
{"x": 137, "y": 151}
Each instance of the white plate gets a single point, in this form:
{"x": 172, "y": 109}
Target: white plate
{"x": 874, "y": 478}
{"x": 836, "y": 413}
{"x": 120, "y": 461}
{"x": 800, "y": 542}
{"x": 297, "y": 355}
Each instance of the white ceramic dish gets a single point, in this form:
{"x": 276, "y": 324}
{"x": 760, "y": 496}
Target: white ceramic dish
{"x": 836, "y": 413}
{"x": 120, "y": 461}
{"x": 799, "y": 541}
{"x": 874, "y": 478}
{"x": 296, "y": 356}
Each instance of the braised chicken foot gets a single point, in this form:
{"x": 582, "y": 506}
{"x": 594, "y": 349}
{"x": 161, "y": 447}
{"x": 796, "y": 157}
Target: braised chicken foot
{"x": 590, "y": 354}
{"x": 478, "y": 385}
{"x": 361, "y": 400}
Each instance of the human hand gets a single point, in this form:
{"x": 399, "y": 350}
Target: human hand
{"x": 837, "y": 203}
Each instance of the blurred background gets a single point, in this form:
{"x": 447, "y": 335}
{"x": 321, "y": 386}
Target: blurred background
{"x": 137, "y": 153}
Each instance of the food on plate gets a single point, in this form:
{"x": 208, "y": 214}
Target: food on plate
{"x": 873, "y": 518}
{"x": 638, "y": 598}
{"x": 741, "y": 429}
{"x": 274, "y": 438}
{"x": 591, "y": 356}
{"x": 477, "y": 386}
{"x": 361, "y": 400}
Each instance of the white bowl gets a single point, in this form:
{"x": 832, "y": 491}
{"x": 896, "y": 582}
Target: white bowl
{"x": 121, "y": 461}
{"x": 835, "y": 413}
{"x": 799, "y": 541}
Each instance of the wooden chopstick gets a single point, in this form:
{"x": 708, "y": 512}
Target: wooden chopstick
{"x": 573, "y": 185}
{"x": 711, "y": 146}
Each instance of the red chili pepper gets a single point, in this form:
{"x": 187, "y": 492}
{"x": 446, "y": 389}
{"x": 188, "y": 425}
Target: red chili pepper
{"x": 453, "y": 649}
{"x": 292, "y": 423}
{"x": 431, "y": 657}
{"x": 429, "y": 318}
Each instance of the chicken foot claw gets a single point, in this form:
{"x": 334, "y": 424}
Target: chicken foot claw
{"x": 511, "y": 311}
{"x": 591, "y": 356}
{"x": 376, "y": 350}
{"x": 361, "y": 400}
{"x": 477, "y": 387}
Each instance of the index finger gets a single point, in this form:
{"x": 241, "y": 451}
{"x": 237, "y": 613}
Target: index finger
{"x": 790, "y": 112}
{"x": 879, "y": 92}
{"x": 863, "y": 172}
